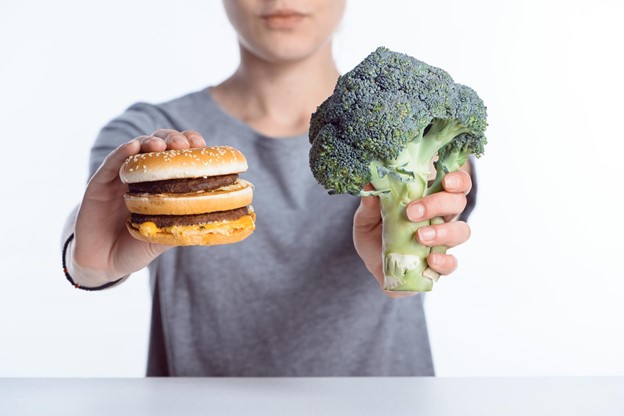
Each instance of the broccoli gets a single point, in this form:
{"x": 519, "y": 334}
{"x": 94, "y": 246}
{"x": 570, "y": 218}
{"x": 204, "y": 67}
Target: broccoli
{"x": 385, "y": 123}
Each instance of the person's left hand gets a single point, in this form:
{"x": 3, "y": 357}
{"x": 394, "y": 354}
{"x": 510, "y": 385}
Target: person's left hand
{"x": 448, "y": 204}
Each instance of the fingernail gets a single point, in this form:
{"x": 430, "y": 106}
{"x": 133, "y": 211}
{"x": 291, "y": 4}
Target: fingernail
{"x": 436, "y": 259}
{"x": 426, "y": 234}
{"x": 415, "y": 211}
{"x": 451, "y": 182}
{"x": 198, "y": 141}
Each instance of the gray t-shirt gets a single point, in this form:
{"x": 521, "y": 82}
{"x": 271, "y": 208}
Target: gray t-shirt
{"x": 294, "y": 299}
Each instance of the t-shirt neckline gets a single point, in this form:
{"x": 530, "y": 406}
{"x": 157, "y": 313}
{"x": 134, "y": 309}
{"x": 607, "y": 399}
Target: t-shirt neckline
{"x": 260, "y": 137}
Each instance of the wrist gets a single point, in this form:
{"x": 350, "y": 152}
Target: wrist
{"x": 83, "y": 277}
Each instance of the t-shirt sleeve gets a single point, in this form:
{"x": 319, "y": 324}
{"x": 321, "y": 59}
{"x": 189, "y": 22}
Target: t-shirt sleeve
{"x": 139, "y": 119}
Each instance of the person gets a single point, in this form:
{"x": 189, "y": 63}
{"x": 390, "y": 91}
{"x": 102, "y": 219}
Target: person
{"x": 296, "y": 298}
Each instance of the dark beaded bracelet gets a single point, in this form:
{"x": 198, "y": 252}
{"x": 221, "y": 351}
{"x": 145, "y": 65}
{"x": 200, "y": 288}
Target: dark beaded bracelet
{"x": 69, "y": 278}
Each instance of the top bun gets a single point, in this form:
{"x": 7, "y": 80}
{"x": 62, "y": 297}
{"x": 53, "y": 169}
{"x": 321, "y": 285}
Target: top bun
{"x": 185, "y": 163}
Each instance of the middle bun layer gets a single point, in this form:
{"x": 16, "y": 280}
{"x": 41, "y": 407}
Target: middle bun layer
{"x": 237, "y": 195}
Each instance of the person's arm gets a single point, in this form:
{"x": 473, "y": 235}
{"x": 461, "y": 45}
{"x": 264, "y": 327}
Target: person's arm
{"x": 95, "y": 244}
{"x": 97, "y": 247}
{"x": 76, "y": 275}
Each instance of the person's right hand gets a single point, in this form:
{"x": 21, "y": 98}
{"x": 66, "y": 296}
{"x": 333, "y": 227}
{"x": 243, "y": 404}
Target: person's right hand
{"x": 103, "y": 250}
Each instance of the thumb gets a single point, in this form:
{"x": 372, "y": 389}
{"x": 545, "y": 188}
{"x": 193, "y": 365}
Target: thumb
{"x": 368, "y": 214}
{"x": 109, "y": 170}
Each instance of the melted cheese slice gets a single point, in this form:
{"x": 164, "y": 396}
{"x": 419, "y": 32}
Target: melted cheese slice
{"x": 149, "y": 229}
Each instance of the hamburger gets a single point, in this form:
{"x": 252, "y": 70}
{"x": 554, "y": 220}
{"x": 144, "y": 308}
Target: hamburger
{"x": 188, "y": 197}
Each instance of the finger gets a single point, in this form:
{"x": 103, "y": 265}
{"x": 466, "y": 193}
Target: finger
{"x": 151, "y": 144}
{"x": 368, "y": 214}
{"x": 449, "y": 234}
{"x": 173, "y": 138}
{"x": 440, "y": 204}
{"x": 194, "y": 138}
{"x": 457, "y": 182}
{"x": 109, "y": 169}
{"x": 442, "y": 263}
{"x": 163, "y": 133}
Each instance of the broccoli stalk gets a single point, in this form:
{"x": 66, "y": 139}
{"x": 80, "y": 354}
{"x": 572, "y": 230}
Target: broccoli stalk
{"x": 384, "y": 124}
{"x": 402, "y": 181}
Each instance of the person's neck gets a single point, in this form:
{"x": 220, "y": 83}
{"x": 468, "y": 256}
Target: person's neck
{"x": 277, "y": 99}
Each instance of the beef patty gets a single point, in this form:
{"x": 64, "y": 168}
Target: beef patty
{"x": 162, "y": 221}
{"x": 181, "y": 186}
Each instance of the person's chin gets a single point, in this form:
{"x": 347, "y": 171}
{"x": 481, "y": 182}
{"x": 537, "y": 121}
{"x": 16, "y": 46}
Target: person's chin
{"x": 285, "y": 49}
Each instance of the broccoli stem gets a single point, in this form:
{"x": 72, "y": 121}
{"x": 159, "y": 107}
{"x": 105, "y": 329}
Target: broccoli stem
{"x": 404, "y": 258}
{"x": 404, "y": 180}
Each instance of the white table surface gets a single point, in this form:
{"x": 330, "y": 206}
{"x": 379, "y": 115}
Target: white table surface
{"x": 595, "y": 396}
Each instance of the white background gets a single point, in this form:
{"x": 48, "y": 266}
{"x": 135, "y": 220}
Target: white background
{"x": 540, "y": 286}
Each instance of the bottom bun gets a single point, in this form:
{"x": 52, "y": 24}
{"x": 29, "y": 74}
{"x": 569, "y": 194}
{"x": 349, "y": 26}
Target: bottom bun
{"x": 224, "y": 232}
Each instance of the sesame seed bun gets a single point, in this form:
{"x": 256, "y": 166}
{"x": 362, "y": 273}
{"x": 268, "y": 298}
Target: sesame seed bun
{"x": 186, "y": 163}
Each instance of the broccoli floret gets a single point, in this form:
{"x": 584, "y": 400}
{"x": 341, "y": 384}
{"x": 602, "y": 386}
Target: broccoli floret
{"x": 386, "y": 121}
